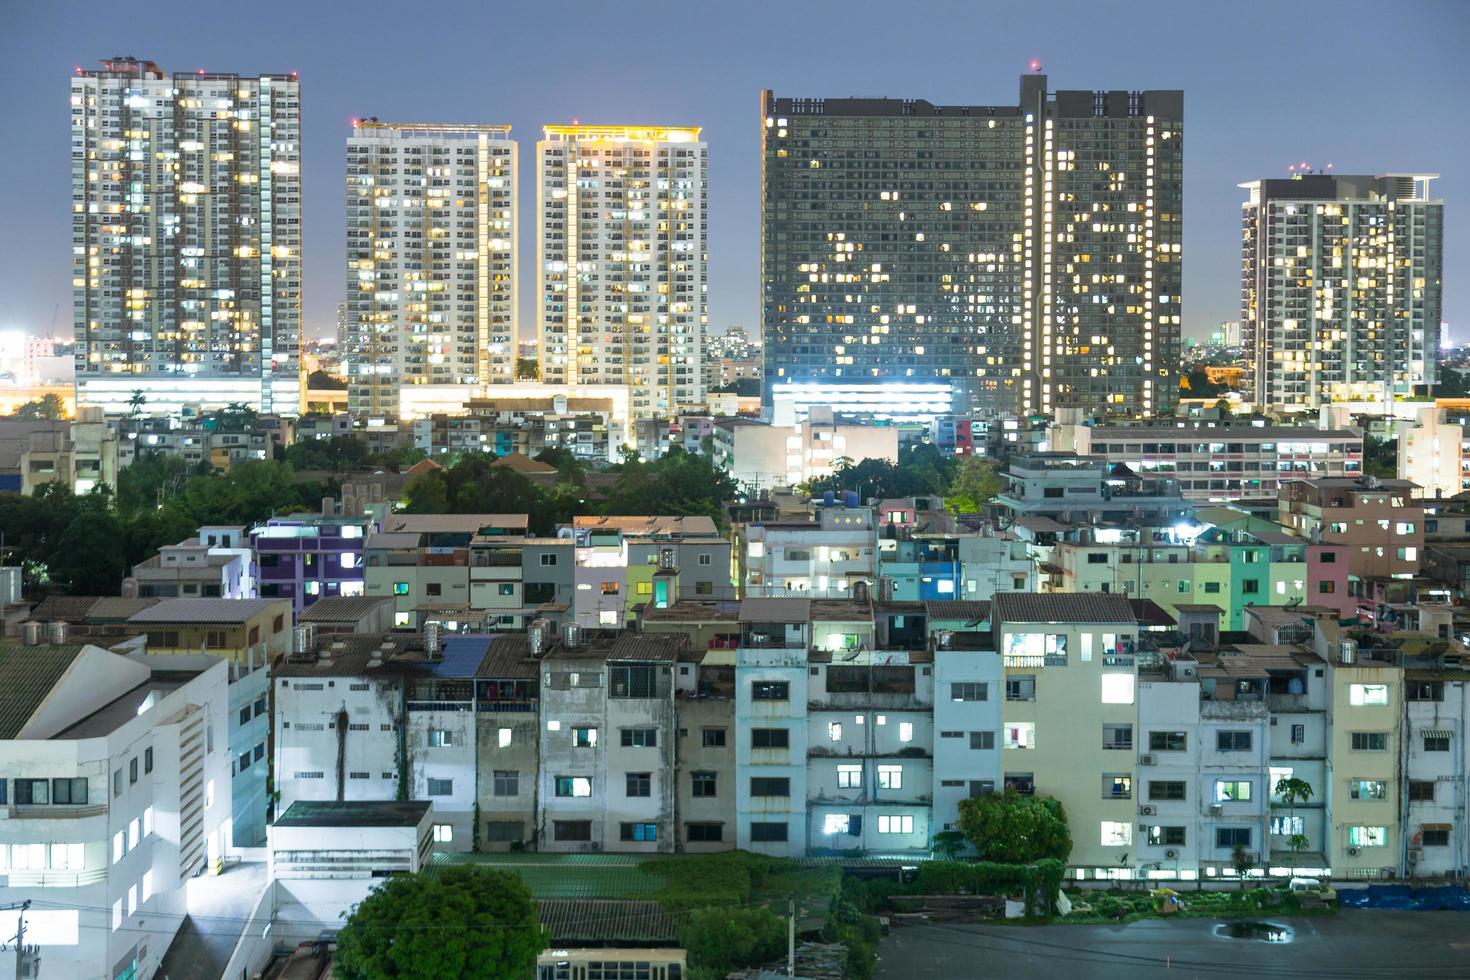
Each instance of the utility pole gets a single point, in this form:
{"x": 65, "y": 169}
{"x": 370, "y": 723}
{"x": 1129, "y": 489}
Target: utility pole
{"x": 20, "y": 935}
{"x": 790, "y": 937}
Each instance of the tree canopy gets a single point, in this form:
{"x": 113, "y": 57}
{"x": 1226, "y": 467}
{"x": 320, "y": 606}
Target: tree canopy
{"x": 921, "y": 469}
{"x": 458, "y": 921}
{"x": 1015, "y": 828}
{"x": 977, "y": 481}
{"x": 48, "y": 406}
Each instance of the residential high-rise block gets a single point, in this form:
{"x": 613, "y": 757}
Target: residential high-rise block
{"x": 1340, "y": 288}
{"x": 919, "y": 258}
{"x": 186, "y": 237}
{"x": 621, "y": 261}
{"x": 431, "y": 259}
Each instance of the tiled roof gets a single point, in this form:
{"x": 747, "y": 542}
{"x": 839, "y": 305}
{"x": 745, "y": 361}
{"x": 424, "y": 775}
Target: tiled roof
{"x": 509, "y": 655}
{"x": 27, "y": 675}
{"x": 971, "y": 610}
{"x": 1150, "y": 613}
{"x": 522, "y": 463}
{"x": 117, "y": 609}
{"x": 761, "y": 609}
{"x": 348, "y": 656}
{"x": 647, "y": 646}
{"x": 206, "y": 610}
{"x": 69, "y": 608}
{"x": 1061, "y": 607}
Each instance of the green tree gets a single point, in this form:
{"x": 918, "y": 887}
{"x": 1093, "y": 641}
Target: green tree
{"x": 339, "y": 454}
{"x": 88, "y": 560}
{"x": 680, "y": 483}
{"x": 977, "y": 481}
{"x": 1016, "y": 829}
{"x": 1380, "y": 457}
{"x": 48, "y": 406}
{"x": 1195, "y": 383}
{"x": 949, "y": 844}
{"x": 1242, "y": 862}
{"x": 427, "y": 493}
{"x": 323, "y": 381}
{"x": 1292, "y": 791}
{"x": 458, "y": 921}
{"x": 527, "y": 369}
{"x": 1452, "y": 384}
{"x": 234, "y": 417}
{"x": 722, "y": 940}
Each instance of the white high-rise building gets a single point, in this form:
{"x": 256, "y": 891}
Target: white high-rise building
{"x": 621, "y": 260}
{"x": 186, "y": 237}
{"x": 1340, "y": 290}
{"x": 431, "y": 259}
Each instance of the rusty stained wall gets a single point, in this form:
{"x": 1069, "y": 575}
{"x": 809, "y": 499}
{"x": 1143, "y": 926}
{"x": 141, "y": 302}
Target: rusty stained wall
{"x": 507, "y": 743}
{"x": 696, "y": 716}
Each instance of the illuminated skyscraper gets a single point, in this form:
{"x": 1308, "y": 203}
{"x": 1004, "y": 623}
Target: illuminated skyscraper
{"x": 431, "y": 259}
{"x": 991, "y": 258}
{"x": 621, "y": 260}
{"x": 186, "y": 237}
{"x": 1340, "y": 288}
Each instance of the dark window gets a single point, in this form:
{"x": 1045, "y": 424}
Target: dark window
{"x": 770, "y": 738}
{"x": 1117, "y": 786}
{"x": 1117, "y": 737}
{"x": 33, "y": 792}
{"x": 640, "y": 738}
{"x": 1250, "y": 586}
{"x": 245, "y": 715}
{"x": 132, "y": 770}
{"x": 1232, "y": 741}
{"x": 982, "y": 740}
{"x": 507, "y": 782}
{"x": 1021, "y": 688}
{"x": 434, "y": 588}
{"x": 259, "y": 707}
{"x": 1097, "y": 558}
{"x": 638, "y": 831}
{"x": 1424, "y": 690}
{"x": 1165, "y": 790}
{"x": 505, "y": 831}
{"x": 1375, "y": 742}
{"x": 1436, "y": 838}
{"x": 767, "y": 830}
{"x": 1329, "y": 558}
{"x": 714, "y": 738}
{"x": 770, "y": 786}
{"x": 704, "y": 783}
{"x": 571, "y": 830}
{"x": 770, "y": 691}
{"x": 1022, "y": 782}
{"x": 639, "y": 784}
{"x": 704, "y": 588}
{"x": 1421, "y": 790}
{"x": 244, "y": 761}
{"x": 1167, "y": 741}
{"x": 1432, "y": 743}
{"x": 981, "y": 787}
{"x": 1229, "y": 837}
{"x": 441, "y": 787}
{"x": 69, "y": 791}
{"x": 1166, "y": 835}
{"x": 148, "y": 760}
{"x": 633, "y": 681}
{"x": 705, "y": 833}
{"x": 969, "y": 691}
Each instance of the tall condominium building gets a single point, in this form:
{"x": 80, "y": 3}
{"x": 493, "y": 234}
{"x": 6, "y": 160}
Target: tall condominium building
{"x": 431, "y": 259}
{"x": 186, "y": 237}
{"x": 621, "y": 260}
{"x": 1340, "y": 288}
{"x": 1003, "y": 258}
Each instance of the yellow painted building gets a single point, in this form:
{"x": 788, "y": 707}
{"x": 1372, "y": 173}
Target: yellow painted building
{"x": 1070, "y": 717}
{"x": 1363, "y": 771}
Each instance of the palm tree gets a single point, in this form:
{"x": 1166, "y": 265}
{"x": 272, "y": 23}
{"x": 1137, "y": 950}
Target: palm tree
{"x": 1293, "y": 791}
{"x": 136, "y": 402}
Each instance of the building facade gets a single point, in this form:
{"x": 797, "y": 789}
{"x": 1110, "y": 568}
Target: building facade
{"x": 186, "y": 237}
{"x": 431, "y": 259}
{"x": 621, "y": 259}
{"x": 1024, "y": 257}
{"x": 1340, "y": 288}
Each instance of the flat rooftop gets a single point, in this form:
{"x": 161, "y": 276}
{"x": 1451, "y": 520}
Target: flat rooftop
{"x": 119, "y": 711}
{"x": 354, "y": 813}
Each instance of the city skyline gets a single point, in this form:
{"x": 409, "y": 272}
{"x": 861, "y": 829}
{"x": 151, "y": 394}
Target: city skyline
{"x": 719, "y": 91}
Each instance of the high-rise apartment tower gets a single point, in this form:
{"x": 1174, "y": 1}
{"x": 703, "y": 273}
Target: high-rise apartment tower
{"x": 918, "y": 257}
{"x": 621, "y": 261}
{"x": 1340, "y": 288}
{"x": 186, "y": 237}
{"x": 431, "y": 259}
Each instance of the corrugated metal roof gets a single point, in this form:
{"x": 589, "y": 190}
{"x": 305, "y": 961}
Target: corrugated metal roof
{"x": 69, "y": 608}
{"x": 970, "y": 610}
{"x": 340, "y": 608}
{"x": 207, "y": 610}
{"x": 117, "y": 609}
{"x": 509, "y": 655}
{"x": 1061, "y": 607}
{"x": 648, "y": 646}
{"x": 596, "y": 922}
{"x": 353, "y": 813}
{"x": 460, "y": 655}
{"x": 27, "y": 675}
{"x": 762, "y": 609}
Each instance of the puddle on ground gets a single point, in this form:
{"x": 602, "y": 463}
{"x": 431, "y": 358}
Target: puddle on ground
{"x": 1262, "y": 932}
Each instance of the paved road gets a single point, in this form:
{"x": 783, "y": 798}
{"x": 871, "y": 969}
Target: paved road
{"x": 1354, "y": 943}
{"x": 219, "y": 907}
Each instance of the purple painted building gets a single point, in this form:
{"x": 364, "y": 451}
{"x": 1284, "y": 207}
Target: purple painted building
{"x": 305, "y": 557}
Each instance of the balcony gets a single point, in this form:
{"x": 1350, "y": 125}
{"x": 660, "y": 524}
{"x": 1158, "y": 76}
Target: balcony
{"x": 26, "y": 811}
{"x": 887, "y": 700}
{"x": 1035, "y": 660}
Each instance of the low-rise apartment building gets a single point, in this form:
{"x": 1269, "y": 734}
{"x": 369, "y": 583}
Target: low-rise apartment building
{"x": 116, "y": 774}
{"x": 1379, "y": 522}
{"x": 821, "y": 557}
{"x": 81, "y": 453}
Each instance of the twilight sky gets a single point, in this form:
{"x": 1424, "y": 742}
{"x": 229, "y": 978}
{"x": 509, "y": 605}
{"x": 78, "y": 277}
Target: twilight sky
{"x": 1369, "y": 87}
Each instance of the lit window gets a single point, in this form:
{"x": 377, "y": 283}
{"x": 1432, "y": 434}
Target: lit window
{"x": 443, "y": 833}
{"x": 117, "y": 915}
{"x": 119, "y": 847}
{"x": 836, "y": 823}
{"x": 148, "y": 821}
{"x": 573, "y": 786}
{"x": 1117, "y": 833}
{"x": 504, "y": 737}
{"x": 849, "y": 776}
{"x": 890, "y": 777}
{"x": 1020, "y": 734}
{"x": 896, "y": 823}
{"x": 1117, "y": 688}
{"x": 147, "y": 884}
{"x": 905, "y": 731}
{"x": 133, "y": 830}
{"x": 1368, "y": 694}
{"x": 834, "y": 731}
{"x": 1232, "y": 790}
{"x": 1367, "y": 836}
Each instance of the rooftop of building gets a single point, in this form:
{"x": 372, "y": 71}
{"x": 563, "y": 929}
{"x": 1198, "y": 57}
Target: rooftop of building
{"x": 118, "y": 609}
{"x": 1227, "y": 431}
{"x": 354, "y": 813}
{"x": 572, "y": 922}
{"x": 355, "y": 654}
{"x": 771, "y": 609}
{"x": 841, "y": 610}
{"x": 184, "y": 611}
{"x": 124, "y": 708}
{"x": 452, "y": 523}
{"x": 64, "y": 608}
{"x": 27, "y": 675}
{"x": 1075, "y": 607}
{"x": 608, "y": 645}
{"x": 971, "y": 610}
{"x": 343, "y": 608}
{"x": 693, "y": 611}
{"x": 1363, "y": 484}
{"x": 656, "y": 526}
{"x": 155, "y": 562}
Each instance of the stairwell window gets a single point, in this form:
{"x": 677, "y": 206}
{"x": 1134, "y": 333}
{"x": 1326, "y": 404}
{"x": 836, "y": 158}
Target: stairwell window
{"x": 1367, "y": 836}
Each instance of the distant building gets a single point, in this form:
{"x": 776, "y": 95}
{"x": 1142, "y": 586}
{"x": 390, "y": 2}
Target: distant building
{"x": 1341, "y": 288}
{"x": 621, "y": 261}
{"x": 186, "y": 222}
{"x": 81, "y": 454}
{"x": 431, "y": 259}
{"x": 1008, "y": 258}
{"x": 762, "y": 456}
